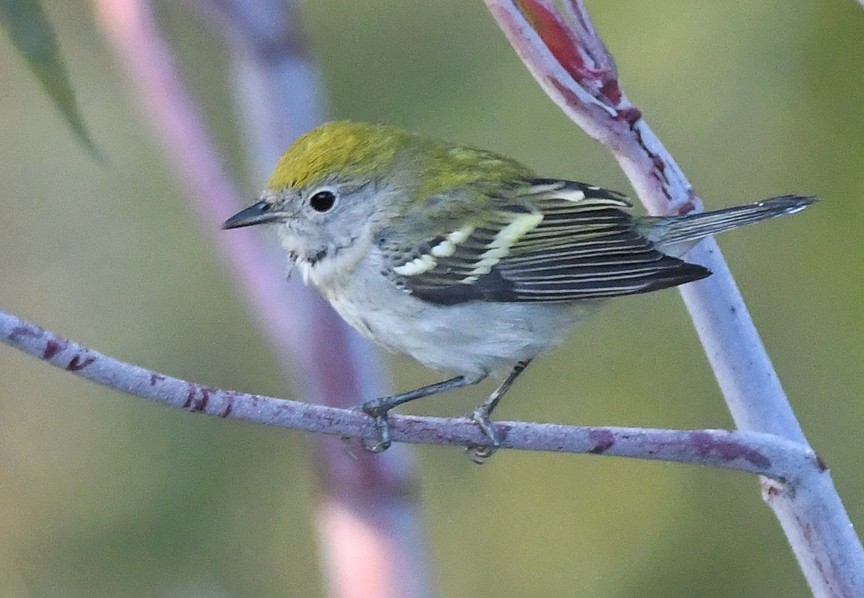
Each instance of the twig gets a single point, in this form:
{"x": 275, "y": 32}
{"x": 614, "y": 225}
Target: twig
{"x": 787, "y": 463}
{"x": 566, "y": 56}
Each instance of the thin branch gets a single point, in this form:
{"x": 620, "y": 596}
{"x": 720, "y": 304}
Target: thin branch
{"x": 569, "y": 60}
{"x": 785, "y": 462}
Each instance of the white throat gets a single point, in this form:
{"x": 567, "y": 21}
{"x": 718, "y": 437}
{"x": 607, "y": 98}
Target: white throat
{"x": 326, "y": 267}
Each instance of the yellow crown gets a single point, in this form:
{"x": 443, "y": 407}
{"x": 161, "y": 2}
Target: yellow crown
{"x": 344, "y": 147}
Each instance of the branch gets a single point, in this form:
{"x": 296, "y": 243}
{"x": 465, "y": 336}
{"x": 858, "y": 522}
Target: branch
{"x": 368, "y": 518}
{"x": 570, "y": 62}
{"x": 785, "y": 462}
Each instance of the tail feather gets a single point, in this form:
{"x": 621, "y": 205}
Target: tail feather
{"x": 672, "y": 230}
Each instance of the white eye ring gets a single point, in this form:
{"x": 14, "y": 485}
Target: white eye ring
{"x": 322, "y": 201}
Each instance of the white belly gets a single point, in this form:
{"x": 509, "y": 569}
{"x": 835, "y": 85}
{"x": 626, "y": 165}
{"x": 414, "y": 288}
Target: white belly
{"x": 472, "y": 339}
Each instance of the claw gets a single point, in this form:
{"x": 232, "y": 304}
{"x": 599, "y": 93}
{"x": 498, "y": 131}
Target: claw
{"x": 378, "y": 408}
{"x": 479, "y": 453}
{"x": 378, "y": 411}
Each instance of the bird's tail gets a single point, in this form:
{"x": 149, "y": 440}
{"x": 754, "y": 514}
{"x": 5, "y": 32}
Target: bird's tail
{"x": 675, "y": 230}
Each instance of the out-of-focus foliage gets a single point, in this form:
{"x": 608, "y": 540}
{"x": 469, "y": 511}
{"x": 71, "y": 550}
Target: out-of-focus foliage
{"x": 33, "y": 35}
{"x": 102, "y": 494}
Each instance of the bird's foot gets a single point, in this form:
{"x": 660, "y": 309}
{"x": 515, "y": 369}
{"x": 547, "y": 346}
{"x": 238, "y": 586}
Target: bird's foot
{"x": 378, "y": 409}
{"x": 480, "y": 453}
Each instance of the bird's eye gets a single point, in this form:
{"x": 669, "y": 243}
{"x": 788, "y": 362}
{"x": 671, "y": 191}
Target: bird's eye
{"x": 322, "y": 201}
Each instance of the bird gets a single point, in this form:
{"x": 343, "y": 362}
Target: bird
{"x": 465, "y": 259}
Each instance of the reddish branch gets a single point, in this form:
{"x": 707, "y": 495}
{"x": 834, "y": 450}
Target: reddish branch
{"x": 368, "y": 519}
{"x": 567, "y": 58}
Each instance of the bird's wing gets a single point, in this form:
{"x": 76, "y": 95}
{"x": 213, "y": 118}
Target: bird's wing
{"x": 561, "y": 241}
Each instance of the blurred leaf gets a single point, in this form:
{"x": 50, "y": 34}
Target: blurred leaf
{"x": 32, "y": 34}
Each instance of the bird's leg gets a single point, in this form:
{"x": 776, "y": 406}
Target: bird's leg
{"x": 379, "y": 407}
{"x": 479, "y": 453}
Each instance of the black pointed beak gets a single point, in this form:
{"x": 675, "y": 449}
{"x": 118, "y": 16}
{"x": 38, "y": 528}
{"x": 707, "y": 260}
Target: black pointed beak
{"x": 258, "y": 213}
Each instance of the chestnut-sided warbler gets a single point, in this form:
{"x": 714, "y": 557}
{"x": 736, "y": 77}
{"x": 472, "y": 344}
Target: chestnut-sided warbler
{"x": 462, "y": 258}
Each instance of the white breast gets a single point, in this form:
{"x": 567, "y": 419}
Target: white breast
{"x": 473, "y": 339}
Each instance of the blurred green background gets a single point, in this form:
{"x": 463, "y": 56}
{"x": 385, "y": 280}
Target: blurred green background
{"x": 108, "y": 495}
